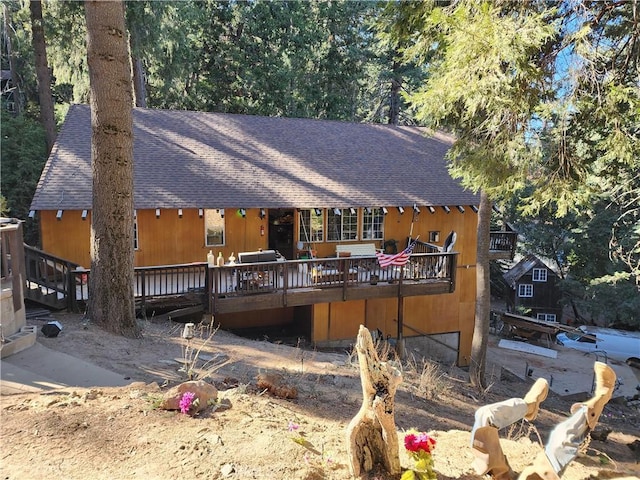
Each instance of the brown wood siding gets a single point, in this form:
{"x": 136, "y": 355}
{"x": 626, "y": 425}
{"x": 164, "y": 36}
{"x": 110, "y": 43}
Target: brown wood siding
{"x": 170, "y": 239}
{"x": 345, "y": 319}
{"x": 320, "y": 321}
{"x": 67, "y": 238}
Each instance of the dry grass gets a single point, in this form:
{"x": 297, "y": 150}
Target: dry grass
{"x": 197, "y": 338}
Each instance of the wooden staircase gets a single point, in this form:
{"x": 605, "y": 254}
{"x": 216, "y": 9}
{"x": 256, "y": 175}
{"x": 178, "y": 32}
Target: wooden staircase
{"x": 49, "y": 281}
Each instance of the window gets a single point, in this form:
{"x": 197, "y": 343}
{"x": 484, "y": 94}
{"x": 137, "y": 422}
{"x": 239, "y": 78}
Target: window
{"x": 135, "y": 231}
{"x": 214, "y": 227}
{"x": 342, "y": 224}
{"x": 372, "y": 224}
{"x": 525, "y": 290}
{"x": 311, "y": 228}
{"x": 547, "y": 317}
{"x": 539, "y": 274}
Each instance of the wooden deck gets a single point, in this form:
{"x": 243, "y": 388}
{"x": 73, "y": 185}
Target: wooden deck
{"x": 256, "y": 286}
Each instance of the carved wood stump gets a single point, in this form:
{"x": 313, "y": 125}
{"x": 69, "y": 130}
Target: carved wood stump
{"x": 371, "y": 435}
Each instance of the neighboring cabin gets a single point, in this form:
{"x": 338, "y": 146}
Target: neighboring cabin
{"x": 235, "y": 183}
{"x": 533, "y": 288}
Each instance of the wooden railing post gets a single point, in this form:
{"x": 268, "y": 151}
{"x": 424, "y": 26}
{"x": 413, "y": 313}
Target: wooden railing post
{"x": 143, "y": 293}
{"x": 71, "y": 289}
{"x": 453, "y": 267}
{"x": 285, "y": 283}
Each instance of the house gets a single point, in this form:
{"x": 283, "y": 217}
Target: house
{"x": 533, "y": 289}
{"x": 230, "y": 184}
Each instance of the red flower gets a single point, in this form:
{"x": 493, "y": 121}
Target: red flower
{"x": 419, "y": 441}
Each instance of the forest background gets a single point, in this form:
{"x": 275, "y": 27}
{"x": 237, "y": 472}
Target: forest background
{"x": 334, "y": 60}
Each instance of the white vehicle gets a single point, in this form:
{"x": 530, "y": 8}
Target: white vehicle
{"x": 605, "y": 342}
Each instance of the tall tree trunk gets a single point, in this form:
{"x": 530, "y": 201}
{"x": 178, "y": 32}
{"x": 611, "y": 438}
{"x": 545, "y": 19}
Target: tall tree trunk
{"x": 45, "y": 99}
{"x": 394, "y": 95}
{"x": 483, "y": 298}
{"x": 8, "y": 36}
{"x": 139, "y": 85}
{"x": 111, "y": 302}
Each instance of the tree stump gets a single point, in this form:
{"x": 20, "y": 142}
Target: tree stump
{"x": 371, "y": 435}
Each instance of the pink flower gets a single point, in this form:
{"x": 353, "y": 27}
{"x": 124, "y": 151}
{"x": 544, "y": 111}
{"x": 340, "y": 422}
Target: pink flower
{"x": 186, "y": 401}
{"x": 419, "y": 442}
{"x": 292, "y": 427}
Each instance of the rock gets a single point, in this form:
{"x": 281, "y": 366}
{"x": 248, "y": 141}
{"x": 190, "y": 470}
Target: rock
{"x": 600, "y": 434}
{"x": 227, "y": 470}
{"x": 276, "y": 385}
{"x": 204, "y": 392}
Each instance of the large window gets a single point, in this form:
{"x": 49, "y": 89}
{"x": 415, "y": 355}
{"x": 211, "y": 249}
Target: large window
{"x": 372, "y": 224}
{"x": 311, "y": 228}
{"x": 525, "y": 290}
{"x": 214, "y": 227}
{"x": 539, "y": 274}
{"x": 342, "y": 224}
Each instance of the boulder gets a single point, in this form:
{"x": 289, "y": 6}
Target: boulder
{"x": 204, "y": 392}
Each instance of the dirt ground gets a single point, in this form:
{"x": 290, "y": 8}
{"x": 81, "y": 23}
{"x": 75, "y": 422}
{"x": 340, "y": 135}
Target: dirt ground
{"x": 117, "y": 433}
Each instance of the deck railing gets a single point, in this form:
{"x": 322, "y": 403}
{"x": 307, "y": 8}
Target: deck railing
{"x": 424, "y": 247}
{"x": 285, "y": 277}
{"x": 49, "y": 279}
{"x": 503, "y": 242}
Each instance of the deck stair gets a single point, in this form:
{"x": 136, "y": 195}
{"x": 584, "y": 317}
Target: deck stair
{"x": 49, "y": 279}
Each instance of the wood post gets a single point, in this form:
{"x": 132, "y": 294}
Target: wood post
{"x": 371, "y": 435}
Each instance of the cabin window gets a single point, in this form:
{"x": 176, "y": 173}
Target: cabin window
{"x": 311, "y": 228}
{"x": 546, "y": 317}
{"x": 525, "y": 290}
{"x": 214, "y": 227}
{"x": 373, "y": 224}
{"x": 539, "y": 274}
{"x": 342, "y": 224}
{"x": 135, "y": 232}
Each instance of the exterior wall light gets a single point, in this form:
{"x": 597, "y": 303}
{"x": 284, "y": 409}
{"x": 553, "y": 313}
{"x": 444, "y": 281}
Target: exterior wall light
{"x": 401, "y": 210}
{"x": 59, "y": 215}
{"x": 446, "y": 209}
{"x": 84, "y": 214}
{"x": 157, "y": 213}
{"x": 431, "y": 209}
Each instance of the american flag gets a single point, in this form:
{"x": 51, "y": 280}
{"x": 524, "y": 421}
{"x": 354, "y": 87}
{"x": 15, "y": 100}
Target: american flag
{"x": 398, "y": 259}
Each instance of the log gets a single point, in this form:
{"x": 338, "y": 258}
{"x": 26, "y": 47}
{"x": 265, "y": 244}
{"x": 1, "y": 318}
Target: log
{"x": 372, "y": 440}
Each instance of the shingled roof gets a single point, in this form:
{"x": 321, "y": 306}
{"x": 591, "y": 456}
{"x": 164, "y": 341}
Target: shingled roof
{"x": 212, "y": 160}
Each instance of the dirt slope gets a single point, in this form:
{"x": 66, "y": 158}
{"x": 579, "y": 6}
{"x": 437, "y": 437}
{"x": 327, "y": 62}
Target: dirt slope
{"x": 107, "y": 433}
